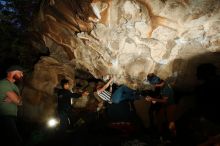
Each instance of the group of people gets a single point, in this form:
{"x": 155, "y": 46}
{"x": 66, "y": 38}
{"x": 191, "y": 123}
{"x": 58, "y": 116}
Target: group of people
{"x": 163, "y": 100}
{"x": 109, "y": 95}
{"x": 10, "y": 99}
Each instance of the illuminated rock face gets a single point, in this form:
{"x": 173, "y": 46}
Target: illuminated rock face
{"x": 131, "y": 38}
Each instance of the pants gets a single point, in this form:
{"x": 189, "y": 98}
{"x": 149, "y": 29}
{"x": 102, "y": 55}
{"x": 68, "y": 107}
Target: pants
{"x": 66, "y": 118}
{"x": 122, "y": 111}
{"x": 164, "y": 116}
{"x": 9, "y": 132}
{"x": 123, "y": 93}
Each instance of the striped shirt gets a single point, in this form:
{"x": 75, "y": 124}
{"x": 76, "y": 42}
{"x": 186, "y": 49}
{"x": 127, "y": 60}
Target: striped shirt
{"x": 105, "y": 95}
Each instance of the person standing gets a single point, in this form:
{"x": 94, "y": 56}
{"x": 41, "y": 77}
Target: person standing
{"x": 64, "y": 103}
{"x": 166, "y": 102}
{"x": 10, "y": 99}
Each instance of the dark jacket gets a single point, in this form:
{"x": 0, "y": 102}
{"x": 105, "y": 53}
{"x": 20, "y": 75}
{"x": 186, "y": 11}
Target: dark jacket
{"x": 64, "y": 99}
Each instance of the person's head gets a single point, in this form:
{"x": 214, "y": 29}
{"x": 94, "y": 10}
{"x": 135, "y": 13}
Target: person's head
{"x": 153, "y": 79}
{"x": 64, "y": 84}
{"x": 15, "y": 73}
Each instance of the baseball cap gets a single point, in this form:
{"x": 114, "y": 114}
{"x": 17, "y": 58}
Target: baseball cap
{"x": 154, "y": 80}
{"x": 14, "y": 68}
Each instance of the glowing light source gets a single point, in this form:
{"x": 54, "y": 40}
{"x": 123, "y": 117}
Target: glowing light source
{"x": 52, "y": 122}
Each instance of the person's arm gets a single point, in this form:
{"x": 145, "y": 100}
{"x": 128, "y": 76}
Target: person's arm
{"x": 154, "y": 100}
{"x": 160, "y": 84}
{"x": 105, "y": 86}
{"x": 74, "y": 95}
{"x": 12, "y": 97}
{"x": 77, "y": 95}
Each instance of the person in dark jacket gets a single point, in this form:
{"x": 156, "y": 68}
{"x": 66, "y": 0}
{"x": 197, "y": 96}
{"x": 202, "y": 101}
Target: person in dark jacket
{"x": 64, "y": 103}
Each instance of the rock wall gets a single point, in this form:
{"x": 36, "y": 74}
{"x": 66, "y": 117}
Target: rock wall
{"x": 130, "y": 38}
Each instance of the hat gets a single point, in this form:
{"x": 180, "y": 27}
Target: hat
{"x": 154, "y": 80}
{"x": 14, "y": 68}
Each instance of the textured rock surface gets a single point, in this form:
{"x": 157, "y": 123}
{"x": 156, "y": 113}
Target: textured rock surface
{"x": 128, "y": 38}
{"x": 39, "y": 93}
{"x": 131, "y": 38}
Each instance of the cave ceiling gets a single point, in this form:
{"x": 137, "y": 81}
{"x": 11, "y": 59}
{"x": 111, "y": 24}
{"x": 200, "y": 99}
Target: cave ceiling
{"x": 128, "y": 39}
